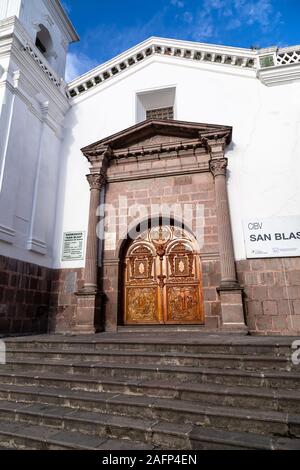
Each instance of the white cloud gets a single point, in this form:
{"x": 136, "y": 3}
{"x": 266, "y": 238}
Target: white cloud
{"x": 234, "y": 14}
{"x": 233, "y": 23}
{"x": 177, "y": 3}
{"x": 188, "y": 17}
{"x": 204, "y": 31}
{"x": 122, "y": 38}
{"x": 260, "y": 12}
{"x": 78, "y": 64}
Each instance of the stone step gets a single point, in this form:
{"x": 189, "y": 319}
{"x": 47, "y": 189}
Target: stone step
{"x": 14, "y": 435}
{"x": 179, "y": 411}
{"x": 202, "y": 438}
{"x": 193, "y": 344}
{"x": 150, "y": 432}
{"x": 209, "y": 393}
{"x": 144, "y": 358}
{"x": 226, "y": 376}
{"x": 124, "y": 430}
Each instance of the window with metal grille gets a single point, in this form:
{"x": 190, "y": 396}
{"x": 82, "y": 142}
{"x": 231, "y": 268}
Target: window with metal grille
{"x": 160, "y": 113}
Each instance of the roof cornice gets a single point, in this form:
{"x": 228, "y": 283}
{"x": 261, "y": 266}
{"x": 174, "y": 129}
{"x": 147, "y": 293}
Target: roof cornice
{"x": 233, "y": 58}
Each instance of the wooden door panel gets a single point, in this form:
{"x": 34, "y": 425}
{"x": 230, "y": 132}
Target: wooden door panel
{"x": 142, "y": 305}
{"x": 183, "y": 304}
{"x": 163, "y": 279}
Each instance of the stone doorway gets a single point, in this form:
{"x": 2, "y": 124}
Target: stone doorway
{"x": 154, "y": 163}
{"x": 162, "y": 279}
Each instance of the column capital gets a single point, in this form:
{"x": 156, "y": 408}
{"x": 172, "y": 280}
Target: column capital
{"x": 215, "y": 145}
{"x": 96, "y": 180}
{"x": 98, "y": 156}
{"x": 218, "y": 167}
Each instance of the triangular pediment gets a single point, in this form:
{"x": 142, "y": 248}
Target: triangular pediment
{"x": 152, "y": 141}
{"x": 156, "y": 133}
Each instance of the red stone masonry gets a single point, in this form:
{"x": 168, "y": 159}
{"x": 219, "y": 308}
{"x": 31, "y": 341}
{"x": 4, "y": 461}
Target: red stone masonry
{"x": 63, "y": 300}
{"x": 272, "y": 295}
{"x": 35, "y": 299}
{"x": 24, "y": 297}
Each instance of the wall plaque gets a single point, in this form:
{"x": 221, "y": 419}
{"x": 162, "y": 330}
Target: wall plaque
{"x": 272, "y": 237}
{"x": 73, "y": 246}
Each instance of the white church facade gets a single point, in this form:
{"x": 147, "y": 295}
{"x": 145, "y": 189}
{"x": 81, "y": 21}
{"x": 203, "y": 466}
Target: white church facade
{"x": 190, "y": 211}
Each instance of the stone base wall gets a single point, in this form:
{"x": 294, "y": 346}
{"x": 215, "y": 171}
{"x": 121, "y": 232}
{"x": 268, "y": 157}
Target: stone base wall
{"x": 24, "y": 297}
{"x": 211, "y": 276}
{"x": 272, "y": 295}
{"x": 35, "y": 299}
{"x": 63, "y": 300}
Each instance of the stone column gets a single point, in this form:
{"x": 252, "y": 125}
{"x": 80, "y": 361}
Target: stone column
{"x": 230, "y": 291}
{"x": 228, "y": 272}
{"x": 91, "y": 261}
{"x": 88, "y": 297}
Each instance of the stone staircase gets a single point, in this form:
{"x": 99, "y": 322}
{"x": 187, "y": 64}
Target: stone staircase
{"x": 129, "y": 391}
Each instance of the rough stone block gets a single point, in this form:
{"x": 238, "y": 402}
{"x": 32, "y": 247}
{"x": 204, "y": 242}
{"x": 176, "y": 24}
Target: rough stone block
{"x": 284, "y": 306}
{"x": 254, "y": 308}
{"x": 264, "y": 323}
{"x": 210, "y": 294}
{"x": 260, "y": 293}
{"x": 270, "y": 307}
{"x": 280, "y": 323}
{"x": 293, "y": 277}
{"x": 296, "y": 323}
{"x": 296, "y": 307}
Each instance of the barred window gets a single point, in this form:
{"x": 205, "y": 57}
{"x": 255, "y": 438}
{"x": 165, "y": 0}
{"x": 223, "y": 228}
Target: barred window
{"x": 160, "y": 113}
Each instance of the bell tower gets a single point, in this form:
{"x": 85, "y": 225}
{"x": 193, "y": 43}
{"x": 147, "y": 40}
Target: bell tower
{"x": 47, "y": 25}
{"x": 34, "y": 40}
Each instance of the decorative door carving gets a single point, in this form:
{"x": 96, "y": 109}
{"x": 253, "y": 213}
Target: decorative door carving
{"x": 163, "y": 278}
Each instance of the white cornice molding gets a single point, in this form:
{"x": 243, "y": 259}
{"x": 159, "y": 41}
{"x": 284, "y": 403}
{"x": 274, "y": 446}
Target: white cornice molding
{"x": 37, "y": 246}
{"x": 7, "y": 234}
{"x": 163, "y": 42}
{"x": 249, "y": 74}
{"x": 192, "y": 51}
{"x": 238, "y": 60}
{"x": 279, "y": 75}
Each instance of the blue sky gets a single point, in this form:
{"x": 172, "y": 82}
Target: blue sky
{"x": 109, "y": 27}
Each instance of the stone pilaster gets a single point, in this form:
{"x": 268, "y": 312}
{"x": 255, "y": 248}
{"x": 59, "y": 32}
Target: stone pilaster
{"x": 229, "y": 290}
{"x": 88, "y": 298}
{"x": 96, "y": 181}
{"x": 228, "y": 272}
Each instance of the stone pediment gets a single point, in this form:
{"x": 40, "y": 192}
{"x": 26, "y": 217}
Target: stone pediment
{"x": 154, "y": 134}
{"x": 155, "y": 140}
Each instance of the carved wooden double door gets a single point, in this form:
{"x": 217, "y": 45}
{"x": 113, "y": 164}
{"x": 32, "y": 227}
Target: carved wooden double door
{"x": 163, "y": 278}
